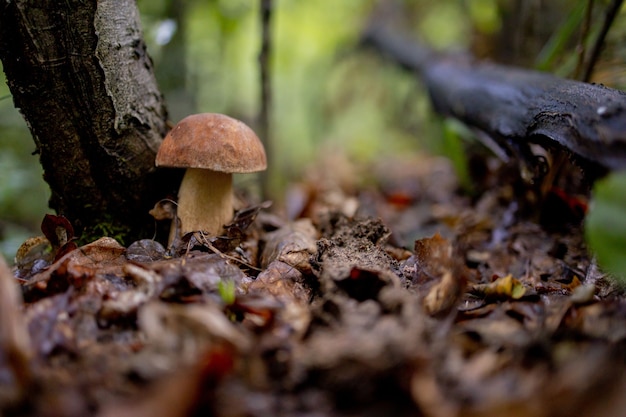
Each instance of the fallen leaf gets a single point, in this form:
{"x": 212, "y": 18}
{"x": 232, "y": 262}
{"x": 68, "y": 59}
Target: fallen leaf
{"x": 187, "y": 330}
{"x": 502, "y": 288}
{"x": 126, "y": 303}
{"x": 57, "y": 229}
{"x": 435, "y": 270}
{"x": 433, "y": 258}
{"x": 145, "y": 250}
{"x": 59, "y": 232}
{"x": 431, "y": 249}
{"x": 245, "y": 217}
{"x": 33, "y": 256}
{"x": 279, "y": 296}
{"x": 282, "y": 281}
{"x": 445, "y": 295}
{"x": 163, "y": 210}
{"x": 100, "y": 258}
{"x": 583, "y": 294}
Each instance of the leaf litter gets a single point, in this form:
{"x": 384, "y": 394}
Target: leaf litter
{"x": 386, "y": 291}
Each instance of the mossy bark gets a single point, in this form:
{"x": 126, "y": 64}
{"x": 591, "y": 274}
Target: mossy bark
{"x": 80, "y": 74}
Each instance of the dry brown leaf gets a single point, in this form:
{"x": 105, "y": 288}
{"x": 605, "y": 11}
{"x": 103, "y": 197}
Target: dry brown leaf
{"x": 283, "y": 281}
{"x": 286, "y": 284}
{"x": 434, "y": 257}
{"x": 124, "y": 303}
{"x": 103, "y": 257}
{"x": 433, "y": 253}
{"x": 145, "y": 250}
{"x": 435, "y": 262}
{"x": 444, "y": 296}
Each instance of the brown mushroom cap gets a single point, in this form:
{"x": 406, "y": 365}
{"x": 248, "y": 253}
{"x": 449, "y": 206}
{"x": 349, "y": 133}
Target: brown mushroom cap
{"x": 212, "y": 141}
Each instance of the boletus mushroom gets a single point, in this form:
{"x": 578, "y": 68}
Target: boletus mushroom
{"x": 212, "y": 147}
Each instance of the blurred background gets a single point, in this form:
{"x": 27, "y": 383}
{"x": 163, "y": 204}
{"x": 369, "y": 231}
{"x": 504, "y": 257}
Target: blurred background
{"x": 328, "y": 94}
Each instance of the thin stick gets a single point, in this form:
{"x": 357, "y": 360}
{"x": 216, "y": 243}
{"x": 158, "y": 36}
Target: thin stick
{"x": 222, "y": 255}
{"x": 582, "y": 42}
{"x": 611, "y": 12}
{"x": 266, "y": 93}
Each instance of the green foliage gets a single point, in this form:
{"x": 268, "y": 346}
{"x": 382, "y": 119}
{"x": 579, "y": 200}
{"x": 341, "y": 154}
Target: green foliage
{"x": 556, "y": 46}
{"x": 325, "y": 89}
{"x": 444, "y": 25}
{"x": 485, "y": 15}
{"x": 605, "y": 225}
{"x": 455, "y": 138}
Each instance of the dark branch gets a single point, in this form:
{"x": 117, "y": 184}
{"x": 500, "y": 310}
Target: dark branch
{"x": 516, "y": 106}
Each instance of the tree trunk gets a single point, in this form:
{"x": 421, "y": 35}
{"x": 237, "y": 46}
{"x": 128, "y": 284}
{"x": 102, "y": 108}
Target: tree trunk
{"x": 79, "y": 73}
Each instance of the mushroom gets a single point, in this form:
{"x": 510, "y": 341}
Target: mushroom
{"x": 212, "y": 147}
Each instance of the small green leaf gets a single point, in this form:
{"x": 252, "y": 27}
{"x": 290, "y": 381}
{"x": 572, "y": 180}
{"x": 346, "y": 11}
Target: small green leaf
{"x": 605, "y": 225}
{"x": 227, "y": 290}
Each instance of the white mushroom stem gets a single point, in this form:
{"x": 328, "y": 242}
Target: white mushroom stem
{"x": 205, "y": 201}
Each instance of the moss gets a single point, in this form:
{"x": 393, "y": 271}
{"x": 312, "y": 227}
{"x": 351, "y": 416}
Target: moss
{"x": 108, "y": 228}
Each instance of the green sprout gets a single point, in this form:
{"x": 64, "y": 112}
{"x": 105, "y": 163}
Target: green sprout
{"x": 226, "y": 290}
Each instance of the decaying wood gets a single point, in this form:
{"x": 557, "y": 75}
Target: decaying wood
{"x": 80, "y": 75}
{"x": 516, "y": 106}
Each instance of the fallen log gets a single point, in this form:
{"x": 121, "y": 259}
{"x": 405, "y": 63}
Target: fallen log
{"x": 515, "y": 107}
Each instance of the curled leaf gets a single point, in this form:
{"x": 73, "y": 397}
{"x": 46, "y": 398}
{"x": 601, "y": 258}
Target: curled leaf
{"x": 57, "y": 229}
{"x": 163, "y": 210}
{"x": 59, "y": 232}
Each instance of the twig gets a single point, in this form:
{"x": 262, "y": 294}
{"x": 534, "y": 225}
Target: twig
{"x": 266, "y": 92}
{"x": 582, "y": 43}
{"x": 225, "y": 256}
{"x": 611, "y": 12}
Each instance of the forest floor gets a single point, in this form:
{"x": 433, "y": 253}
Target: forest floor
{"x": 376, "y": 291}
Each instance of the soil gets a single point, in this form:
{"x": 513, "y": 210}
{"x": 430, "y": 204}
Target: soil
{"x": 373, "y": 291}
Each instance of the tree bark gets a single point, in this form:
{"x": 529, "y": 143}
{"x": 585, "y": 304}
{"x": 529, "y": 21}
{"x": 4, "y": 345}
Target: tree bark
{"x": 80, "y": 74}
